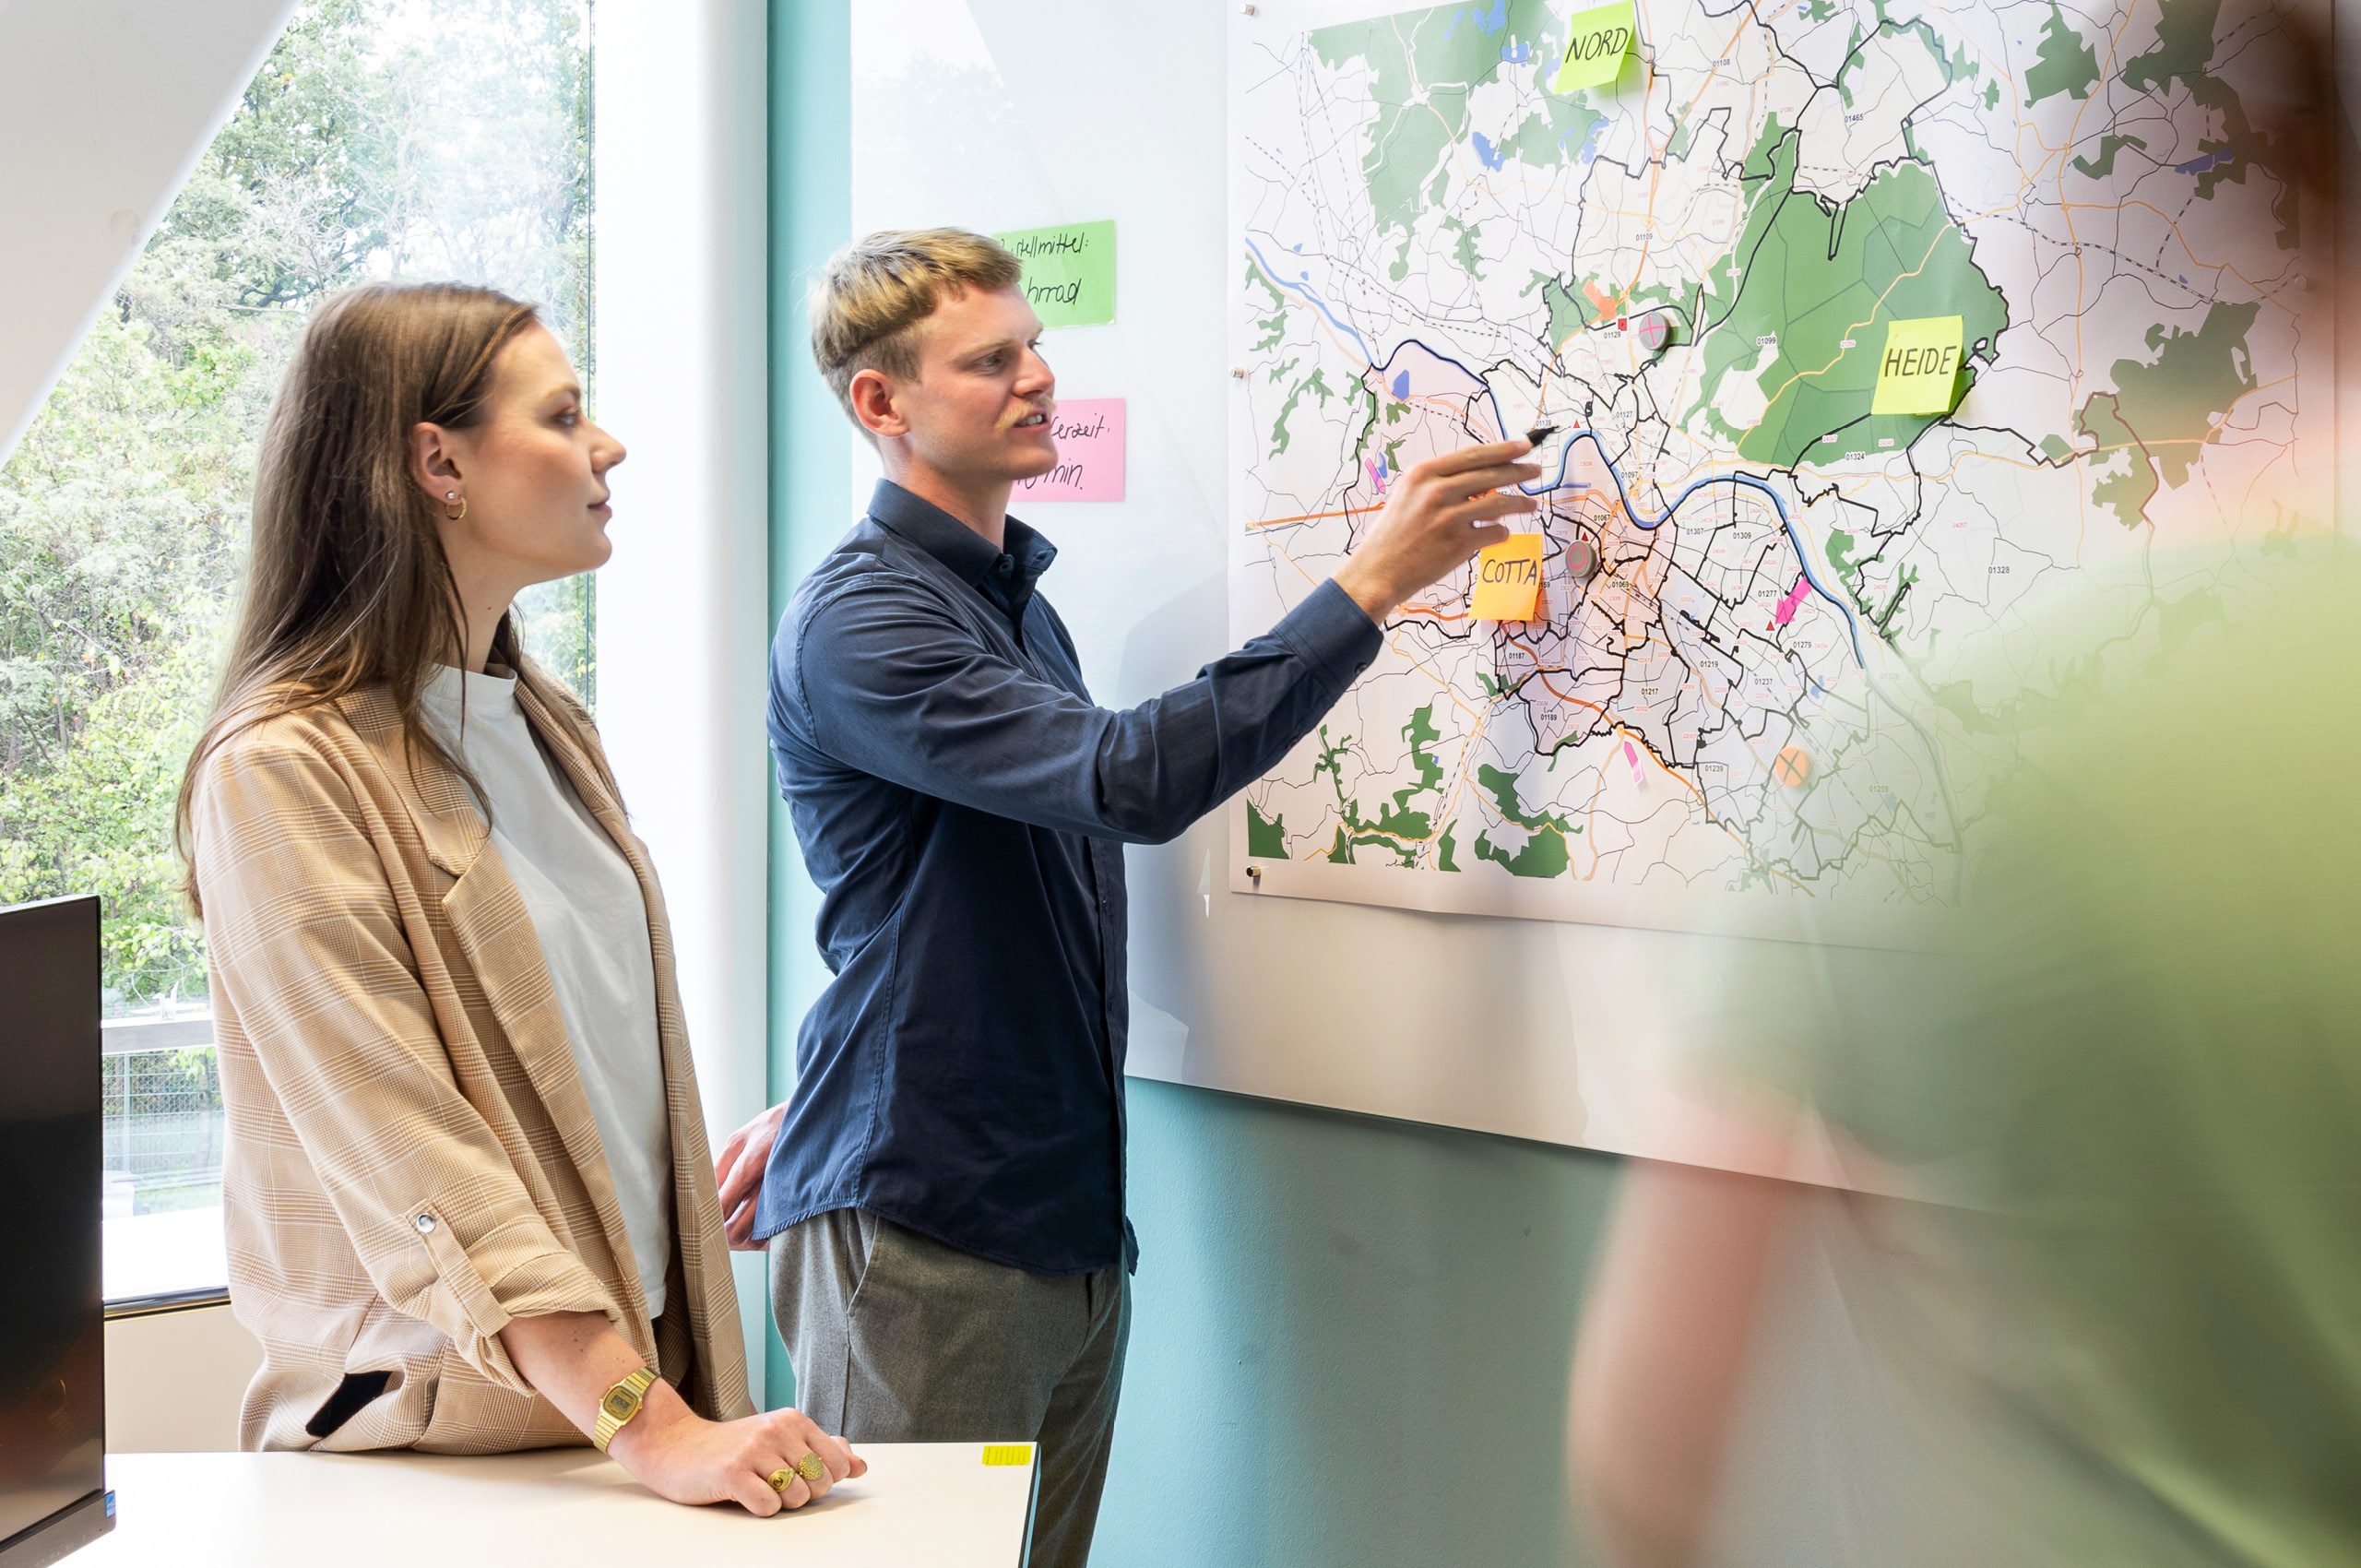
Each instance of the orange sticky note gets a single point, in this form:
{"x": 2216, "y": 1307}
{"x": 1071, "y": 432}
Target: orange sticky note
{"x": 1507, "y": 579}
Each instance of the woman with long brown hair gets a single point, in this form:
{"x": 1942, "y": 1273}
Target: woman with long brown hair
{"x": 469, "y": 1204}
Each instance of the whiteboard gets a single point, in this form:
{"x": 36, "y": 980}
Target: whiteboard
{"x": 994, "y": 116}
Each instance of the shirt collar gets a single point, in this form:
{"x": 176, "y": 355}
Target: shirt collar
{"x": 452, "y": 690}
{"x": 1006, "y": 576}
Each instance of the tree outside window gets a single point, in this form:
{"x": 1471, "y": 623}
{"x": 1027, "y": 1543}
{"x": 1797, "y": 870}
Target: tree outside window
{"x": 383, "y": 138}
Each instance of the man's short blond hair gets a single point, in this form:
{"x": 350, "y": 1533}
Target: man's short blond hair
{"x": 868, "y": 303}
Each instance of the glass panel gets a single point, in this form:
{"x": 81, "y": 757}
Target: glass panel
{"x": 412, "y": 138}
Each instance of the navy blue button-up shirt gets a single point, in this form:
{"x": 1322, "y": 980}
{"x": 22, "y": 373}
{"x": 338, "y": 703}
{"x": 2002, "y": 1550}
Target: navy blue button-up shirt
{"x": 963, "y": 806}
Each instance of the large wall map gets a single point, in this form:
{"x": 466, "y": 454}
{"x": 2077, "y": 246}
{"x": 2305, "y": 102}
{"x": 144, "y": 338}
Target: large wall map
{"x": 1781, "y": 697}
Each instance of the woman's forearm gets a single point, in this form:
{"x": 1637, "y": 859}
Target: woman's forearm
{"x": 758, "y": 1461}
{"x": 574, "y": 1358}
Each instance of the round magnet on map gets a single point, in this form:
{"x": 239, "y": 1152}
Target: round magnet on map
{"x": 1654, "y": 331}
{"x": 1581, "y": 559}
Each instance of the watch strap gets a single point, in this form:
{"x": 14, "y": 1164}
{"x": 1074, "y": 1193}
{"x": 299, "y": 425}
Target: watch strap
{"x": 619, "y": 1403}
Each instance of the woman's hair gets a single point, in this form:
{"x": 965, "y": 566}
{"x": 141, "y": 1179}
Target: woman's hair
{"x": 347, "y": 585}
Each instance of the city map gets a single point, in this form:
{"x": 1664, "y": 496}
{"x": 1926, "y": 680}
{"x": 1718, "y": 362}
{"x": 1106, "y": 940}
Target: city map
{"x": 1781, "y": 640}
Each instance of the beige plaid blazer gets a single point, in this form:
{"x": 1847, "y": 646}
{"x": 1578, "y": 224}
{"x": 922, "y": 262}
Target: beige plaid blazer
{"x": 412, "y": 1160}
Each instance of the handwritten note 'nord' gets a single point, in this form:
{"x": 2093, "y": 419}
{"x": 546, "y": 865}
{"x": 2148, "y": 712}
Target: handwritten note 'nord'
{"x": 1069, "y": 271}
{"x": 1089, "y": 433}
{"x": 1597, "y": 42}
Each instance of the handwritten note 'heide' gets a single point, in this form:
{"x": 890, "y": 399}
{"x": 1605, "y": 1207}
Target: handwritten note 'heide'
{"x": 1507, "y": 579}
{"x": 1089, "y": 433}
{"x": 1069, "y": 271}
{"x": 1919, "y": 374}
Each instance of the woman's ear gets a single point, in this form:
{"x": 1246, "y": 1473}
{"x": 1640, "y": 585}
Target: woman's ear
{"x": 434, "y": 465}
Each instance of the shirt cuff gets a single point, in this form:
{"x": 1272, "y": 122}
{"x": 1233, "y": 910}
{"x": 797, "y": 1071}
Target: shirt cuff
{"x": 518, "y": 1270}
{"x": 1332, "y": 633}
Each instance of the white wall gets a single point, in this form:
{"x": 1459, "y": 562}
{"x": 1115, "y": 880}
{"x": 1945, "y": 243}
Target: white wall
{"x": 103, "y": 110}
{"x": 679, "y": 249}
{"x": 175, "y": 1380}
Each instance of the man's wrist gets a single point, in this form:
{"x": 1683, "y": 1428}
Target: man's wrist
{"x": 1368, "y": 586}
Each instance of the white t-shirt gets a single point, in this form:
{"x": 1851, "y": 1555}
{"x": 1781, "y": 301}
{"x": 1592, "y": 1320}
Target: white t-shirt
{"x": 592, "y": 922}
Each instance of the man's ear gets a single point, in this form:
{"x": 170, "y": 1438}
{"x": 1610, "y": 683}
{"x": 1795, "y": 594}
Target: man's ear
{"x": 875, "y": 403}
{"x": 434, "y": 465}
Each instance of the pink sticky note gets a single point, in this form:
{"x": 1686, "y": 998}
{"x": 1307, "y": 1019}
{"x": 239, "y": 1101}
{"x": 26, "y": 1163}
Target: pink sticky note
{"x": 1089, "y": 433}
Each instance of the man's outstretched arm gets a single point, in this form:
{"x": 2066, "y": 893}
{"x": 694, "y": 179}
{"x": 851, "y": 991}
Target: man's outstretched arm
{"x": 892, "y": 686}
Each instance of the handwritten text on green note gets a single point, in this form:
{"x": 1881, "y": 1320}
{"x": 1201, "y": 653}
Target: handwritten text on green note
{"x": 1069, "y": 271}
{"x": 1597, "y": 42}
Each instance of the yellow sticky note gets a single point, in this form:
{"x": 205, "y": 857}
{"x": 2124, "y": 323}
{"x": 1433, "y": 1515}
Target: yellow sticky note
{"x": 1000, "y": 1454}
{"x": 1919, "y": 374}
{"x": 1597, "y": 42}
{"x": 1507, "y": 579}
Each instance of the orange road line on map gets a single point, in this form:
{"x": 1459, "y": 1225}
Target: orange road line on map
{"x": 1449, "y": 691}
{"x": 1655, "y": 177}
{"x": 2083, "y": 301}
{"x": 2185, "y": 249}
{"x": 1623, "y": 734}
{"x": 1315, "y": 516}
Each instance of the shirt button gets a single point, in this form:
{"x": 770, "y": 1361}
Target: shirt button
{"x": 1004, "y": 566}
{"x": 425, "y": 1223}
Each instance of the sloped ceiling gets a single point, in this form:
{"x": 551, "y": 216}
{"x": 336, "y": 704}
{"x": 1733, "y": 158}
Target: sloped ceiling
{"x": 104, "y": 107}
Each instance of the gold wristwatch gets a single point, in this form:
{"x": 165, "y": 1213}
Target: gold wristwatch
{"x": 619, "y": 1403}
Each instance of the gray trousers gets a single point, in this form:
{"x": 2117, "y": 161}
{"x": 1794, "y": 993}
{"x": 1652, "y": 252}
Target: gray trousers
{"x": 896, "y": 1338}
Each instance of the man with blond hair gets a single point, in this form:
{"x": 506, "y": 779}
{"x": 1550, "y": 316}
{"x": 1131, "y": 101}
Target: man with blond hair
{"x": 942, "y": 1195}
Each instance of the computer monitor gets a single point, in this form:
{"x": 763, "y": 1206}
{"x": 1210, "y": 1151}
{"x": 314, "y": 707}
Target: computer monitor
{"x": 52, "y": 1346}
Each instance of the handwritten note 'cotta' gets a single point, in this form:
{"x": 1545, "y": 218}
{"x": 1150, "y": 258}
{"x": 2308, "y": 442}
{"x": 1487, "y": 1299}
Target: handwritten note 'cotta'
{"x": 1089, "y": 433}
{"x": 1919, "y": 374}
{"x": 1597, "y": 42}
{"x": 1507, "y": 579}
{"x": 1069, "y": 271}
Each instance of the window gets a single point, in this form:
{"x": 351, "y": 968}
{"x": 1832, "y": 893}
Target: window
{"x": 413, "y": 138}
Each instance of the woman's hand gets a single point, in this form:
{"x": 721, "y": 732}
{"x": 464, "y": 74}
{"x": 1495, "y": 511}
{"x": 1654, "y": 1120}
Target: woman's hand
{"x": 737, "y": 1171}
{"x": 677, "y": 1454}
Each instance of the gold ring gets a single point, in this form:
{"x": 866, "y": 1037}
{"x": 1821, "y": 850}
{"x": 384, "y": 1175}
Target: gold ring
{"x": 811, "y": 1467}
{"x": 780, "y": 1479}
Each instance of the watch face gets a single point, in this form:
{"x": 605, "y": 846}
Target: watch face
{"x": 619, "y": 1402}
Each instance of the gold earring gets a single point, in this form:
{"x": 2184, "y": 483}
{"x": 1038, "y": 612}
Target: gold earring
{"x": 448, "y": 513}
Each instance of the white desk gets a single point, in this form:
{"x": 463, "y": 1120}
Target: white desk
{"x": 927, "y": 1505}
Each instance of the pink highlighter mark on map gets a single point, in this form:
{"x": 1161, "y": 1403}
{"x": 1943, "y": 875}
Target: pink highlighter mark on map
{"x": 1788, "y": 606}
{"x": 1089, "y": 433}
{"x": 1639, "y": 780}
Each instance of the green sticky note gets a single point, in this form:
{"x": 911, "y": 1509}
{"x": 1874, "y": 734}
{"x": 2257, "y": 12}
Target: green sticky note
{"x": 1919, "y": 374}
{"x": 1597, "y": 42}
{"x": 1069, "y": 271}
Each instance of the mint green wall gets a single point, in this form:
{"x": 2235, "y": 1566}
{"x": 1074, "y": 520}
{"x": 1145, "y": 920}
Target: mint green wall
{"x": 811, "y": 210}
{"x": 1350, "y": 1336}
{"x": 1350, "y": 1340}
